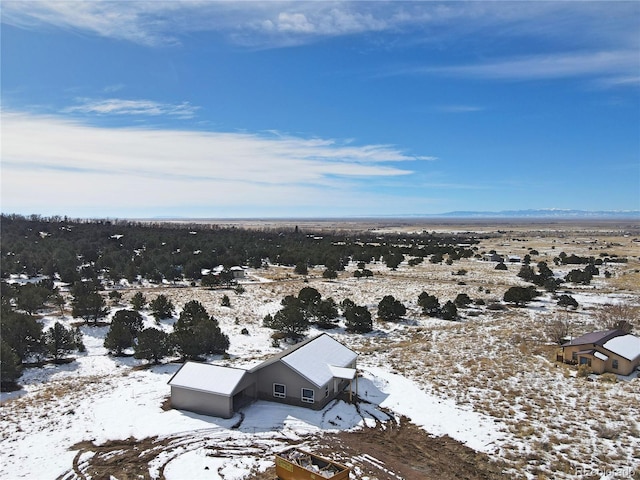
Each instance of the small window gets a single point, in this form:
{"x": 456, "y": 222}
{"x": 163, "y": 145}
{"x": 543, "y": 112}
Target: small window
{"x": 307, "y": 395}
{"x": 279, "y": 390}
{"x": 585, "y": 361}
{"x": 614, "y": 364}
{"x": 574, "y": 356}
{"x": 326, "y": 391}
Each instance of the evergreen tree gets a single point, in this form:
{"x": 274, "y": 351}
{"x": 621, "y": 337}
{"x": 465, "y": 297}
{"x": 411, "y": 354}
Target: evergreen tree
{"x": 58, "y": 301}
{"x": 59, "y": 340}
{"x": 301, "y": 268}
{"x": 330, "y": 274}
{"x": 462, "y": 300}
{"x": 325, "y": 312}
{"x": 138, "y": 301}
{"x": 519, "y": 295}
{"x": 309, "y": 298}
{"x": 449, "y": 311}
{"x": 118, "y": 337}
{"x": 567, "y": 301}
{"x": 225, "y": 302}
{"x": 161, "y": 307}
{"x": 22, "y": 333}
{"x": 153, "y": 345}
{"x": 196, "y": 333}
{"x": 290, "y": 320}
{"x": 357, "y": 318}
{"x": 131, "y": 319}
{"x": 390, "y": 309}
{"x": 87, "y": 302}
{"x": 192, "y": 312}
{"x": 10, "y": 367}
{"x": 32, "y": 297}
{"x": 527, "y": 273}
{"x": 430, "y": 304}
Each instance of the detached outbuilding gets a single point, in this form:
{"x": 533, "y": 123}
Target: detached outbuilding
{"x": 310, "y": 374}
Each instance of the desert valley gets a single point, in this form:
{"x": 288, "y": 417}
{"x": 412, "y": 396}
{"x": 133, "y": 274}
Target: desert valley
{"x": 479, "y": 395}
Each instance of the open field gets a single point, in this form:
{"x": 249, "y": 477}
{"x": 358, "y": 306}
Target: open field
{"x": 498, "y": 365}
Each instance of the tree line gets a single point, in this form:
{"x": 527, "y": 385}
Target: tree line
{"x": 75, "y": 250}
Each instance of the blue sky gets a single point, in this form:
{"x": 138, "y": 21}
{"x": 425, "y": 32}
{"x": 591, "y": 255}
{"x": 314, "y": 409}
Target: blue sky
{"x": 318, "y": 109}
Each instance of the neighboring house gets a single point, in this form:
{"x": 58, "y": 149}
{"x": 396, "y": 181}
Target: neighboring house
{"x": 237, "y": 272}
{"x": 493, "y": 257}
{"x": 605, "y": 351}
{"x": 310, "y": 374}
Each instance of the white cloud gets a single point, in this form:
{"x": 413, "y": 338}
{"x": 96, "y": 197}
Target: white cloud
{"x": 117, "y": 106}
{"x": 73, "y": 164}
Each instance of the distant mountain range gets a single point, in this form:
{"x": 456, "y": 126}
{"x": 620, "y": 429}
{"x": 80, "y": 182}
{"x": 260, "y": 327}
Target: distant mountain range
{"x": 543, "y": 213}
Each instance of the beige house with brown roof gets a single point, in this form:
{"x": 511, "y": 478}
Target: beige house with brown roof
{"x": 613, "y": 351}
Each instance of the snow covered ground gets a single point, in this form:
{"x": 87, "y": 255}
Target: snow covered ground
{"x": 488, "y": 381}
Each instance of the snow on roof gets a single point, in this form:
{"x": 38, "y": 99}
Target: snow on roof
{"x": 601, "y": 356}
{"x": 627, "y": 346}
{"x": 207, "y": 378}
{"x": 313, "y": 360}
{"x": 341, "y": 372}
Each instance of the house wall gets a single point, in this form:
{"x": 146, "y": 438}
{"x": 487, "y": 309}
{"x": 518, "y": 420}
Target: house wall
{"x": 201, "y": 402}
{"x": 625, "y": 367}
{"x": 280, "y": 373}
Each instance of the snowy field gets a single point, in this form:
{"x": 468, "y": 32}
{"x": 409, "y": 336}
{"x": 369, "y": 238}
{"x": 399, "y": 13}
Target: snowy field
{"x": 488, "y": 381}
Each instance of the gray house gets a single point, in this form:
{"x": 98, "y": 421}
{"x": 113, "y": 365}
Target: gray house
{"x": 310, "y": 374}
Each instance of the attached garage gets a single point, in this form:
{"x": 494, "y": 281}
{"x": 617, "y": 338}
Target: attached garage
{"x": 211, "y": 389}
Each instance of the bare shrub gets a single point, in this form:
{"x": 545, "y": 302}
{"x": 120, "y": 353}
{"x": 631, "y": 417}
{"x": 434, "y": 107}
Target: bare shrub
{"x": 558, "y": 330}
{"x": 606, "y": 431}
{"x": 584, "y": 371}
{"x": 619, "y": 316}
{"x": 609, "y": 378}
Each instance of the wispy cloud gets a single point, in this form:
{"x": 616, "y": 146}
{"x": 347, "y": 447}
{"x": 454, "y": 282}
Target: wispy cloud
{"x": 113, "y": 88}
{"x": 459, "y": 108}
{"x": 609, "y": 64}
{"x": 269, "y": 24}
{"x": 72, "y": 160}
{"x": 117, "y": 106}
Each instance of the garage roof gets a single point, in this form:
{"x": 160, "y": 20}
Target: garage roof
{"x": 207, "y": 378}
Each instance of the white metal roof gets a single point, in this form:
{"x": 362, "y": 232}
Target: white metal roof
{"x": 314, "y": 359}
{"x": 627, "y": 346}
{"x": 207, "y": 378}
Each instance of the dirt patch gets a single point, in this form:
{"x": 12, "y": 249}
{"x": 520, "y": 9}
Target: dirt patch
{"x": 389, "y": 450}
{"x": 402, "y": 451}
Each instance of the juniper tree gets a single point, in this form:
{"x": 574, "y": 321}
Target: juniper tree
{"x": 152, "y": 345}
{"x": 161, "y": 307}
{"x": 10, "y": 367}
{"x": 59, "y": 340}
{"x": 390, "y": 309}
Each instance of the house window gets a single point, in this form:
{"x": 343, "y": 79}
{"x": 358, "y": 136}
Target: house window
{"x": 574, "y": 356}
{"x": 279, "y": 390}
{"x": 326, "y": 391}
{"x": 585, "y": 361}
{"x": 307, "y": 395}
{"x": 614, "y": 364}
